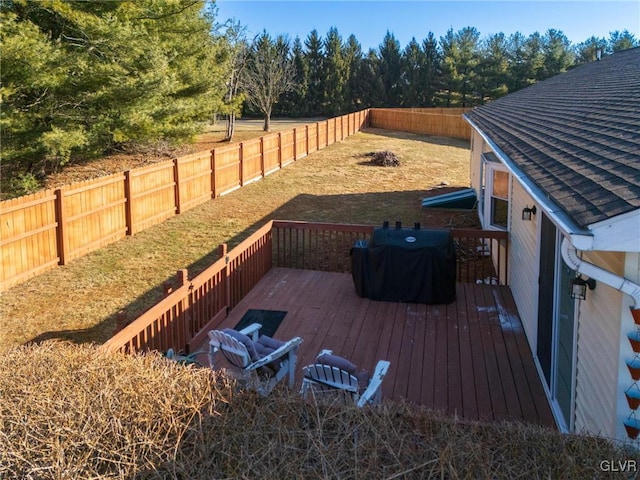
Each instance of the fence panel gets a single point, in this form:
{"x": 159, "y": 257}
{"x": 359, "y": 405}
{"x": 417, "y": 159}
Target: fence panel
{"x": 331, "y": 131}
{"x": 28, "y": 240}
{"x": 153, "y": 195}
{"x": 93, "y": 214}
{"x": 287, "y": 152}
{"x": 227, "y": 169}
{"x": 300, "y": 139}
{"x": 194, "y": 179}
{"x": 251, "y": 160}
{"x": 312, "y": 137}
{"x": 339, "y": 128}
{"x": 323, "y": 139}
{"x": 422, "y": 123}
{"x": 271, "y": 153}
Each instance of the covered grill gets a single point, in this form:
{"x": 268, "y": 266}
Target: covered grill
{"x": 405, "y": 265}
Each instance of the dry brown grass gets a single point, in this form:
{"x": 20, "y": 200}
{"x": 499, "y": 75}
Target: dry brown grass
{"x": 80, "y": 301}
{"x": 71, "y": 412}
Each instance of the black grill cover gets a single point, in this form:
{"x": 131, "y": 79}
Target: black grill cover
{"x": 406, "y": 265}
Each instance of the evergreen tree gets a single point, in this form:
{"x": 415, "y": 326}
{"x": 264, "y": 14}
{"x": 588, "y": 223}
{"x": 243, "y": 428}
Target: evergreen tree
{"x": 294, "y": 102}
{"x": 412, "y": 85}
{"x": 353, "y": 56}
{"x": 590, "y": 50}
{"x": 619, "y": 41}
{"x": 493, "y": 69}
{"x": 314, "y": 58}
{"x": 389, "y": 69}
{"x": 558, "y": 55}
{"x": 106, "y": 74}
{"x": 431, "y": 71}
{"x": 335, "y": 74}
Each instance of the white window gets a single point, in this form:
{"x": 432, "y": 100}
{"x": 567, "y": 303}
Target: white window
{"x": 494, "y": 198}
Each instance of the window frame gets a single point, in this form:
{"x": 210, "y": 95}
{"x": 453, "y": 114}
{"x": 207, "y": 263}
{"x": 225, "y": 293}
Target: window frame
{"x": 486, "y": 203}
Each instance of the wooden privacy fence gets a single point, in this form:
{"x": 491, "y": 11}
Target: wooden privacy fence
{"x": 53, "y": 227}
{"x": 424, "y": 121}
{"x": 182, "y": 319}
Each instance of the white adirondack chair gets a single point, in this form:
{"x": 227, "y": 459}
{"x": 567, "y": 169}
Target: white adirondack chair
{"x": 334, "y": 378}
{"x": 258, "y": 360}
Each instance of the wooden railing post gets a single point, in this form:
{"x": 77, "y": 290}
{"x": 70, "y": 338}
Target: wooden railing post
{"x": 61, "y": 238}
{"x": 121, "y": 321}
{"x": 182, "y": 277}
{"x": 222, "y": 252}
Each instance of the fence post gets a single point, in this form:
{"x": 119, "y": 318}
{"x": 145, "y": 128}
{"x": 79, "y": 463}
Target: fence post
{"x": 306, "y": 138}
{"x": 176, "y": 187}
{"x": 213, "y": 173}
{"x": 295, "y": 144}
{"x": 241, "y": 175}
{"x": 279, "y": 149}
{"x": 262, "y": 156}
{"x": 128, "y": 207}
{"x": 61, "y": 239}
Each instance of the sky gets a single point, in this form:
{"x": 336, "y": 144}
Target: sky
{"x": 369, "y": 20}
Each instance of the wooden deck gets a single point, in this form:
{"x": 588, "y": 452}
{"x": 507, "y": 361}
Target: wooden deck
{"x": 470, "y": 358}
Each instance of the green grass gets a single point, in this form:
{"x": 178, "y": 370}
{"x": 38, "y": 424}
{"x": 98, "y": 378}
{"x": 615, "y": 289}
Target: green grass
{"x": 80, "y": 301}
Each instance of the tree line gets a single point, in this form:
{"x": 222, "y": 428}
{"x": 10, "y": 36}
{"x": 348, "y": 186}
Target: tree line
{"x": 81, "y": 79}
{"x": 459, "y": 69}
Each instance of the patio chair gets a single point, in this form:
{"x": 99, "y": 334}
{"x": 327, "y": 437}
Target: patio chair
{"x": 333, "y": 378}
{"x": 259, "y": 360}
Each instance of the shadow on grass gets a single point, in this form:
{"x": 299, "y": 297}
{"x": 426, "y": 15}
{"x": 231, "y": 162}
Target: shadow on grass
{"x": 359, "y": 208}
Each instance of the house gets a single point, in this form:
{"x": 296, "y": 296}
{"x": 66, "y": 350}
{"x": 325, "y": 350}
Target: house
{"x": 557, "y": 166}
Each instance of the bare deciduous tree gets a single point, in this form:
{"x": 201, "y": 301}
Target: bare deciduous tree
{"x": 238, "y": 58}
{"x": 269, "y": 74}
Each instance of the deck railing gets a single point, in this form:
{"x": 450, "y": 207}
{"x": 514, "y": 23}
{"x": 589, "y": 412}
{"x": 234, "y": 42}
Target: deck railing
{"x": 183, "y": 317}
{"x": 481, "y": 254}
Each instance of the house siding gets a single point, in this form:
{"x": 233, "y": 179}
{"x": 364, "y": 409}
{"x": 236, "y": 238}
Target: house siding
{"x": 598, "y": 351}
{"x": 523, "y": 262}
{"x": 477, "y": 147}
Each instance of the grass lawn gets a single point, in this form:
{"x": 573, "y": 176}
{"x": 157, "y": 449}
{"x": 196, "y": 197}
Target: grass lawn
{"x": 80, "y": 301}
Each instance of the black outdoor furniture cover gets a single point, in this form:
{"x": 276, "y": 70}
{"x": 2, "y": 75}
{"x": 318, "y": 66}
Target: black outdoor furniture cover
{"x": 406, "y": 265}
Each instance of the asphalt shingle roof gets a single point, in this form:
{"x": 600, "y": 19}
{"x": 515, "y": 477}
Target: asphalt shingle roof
{"x": 576, "y": 135}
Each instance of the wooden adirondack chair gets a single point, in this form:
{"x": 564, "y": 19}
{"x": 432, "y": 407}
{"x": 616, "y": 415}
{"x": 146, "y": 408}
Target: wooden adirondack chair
{"x": 334, "y": 378}
{"x": 259, "y": 360}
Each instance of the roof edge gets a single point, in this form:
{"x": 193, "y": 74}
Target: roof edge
{"x": 581, "y": 238}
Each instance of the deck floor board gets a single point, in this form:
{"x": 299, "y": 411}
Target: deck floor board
{"x": 470, "y": 358}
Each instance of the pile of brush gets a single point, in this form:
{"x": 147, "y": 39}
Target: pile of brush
{"x": 384, "y": 158}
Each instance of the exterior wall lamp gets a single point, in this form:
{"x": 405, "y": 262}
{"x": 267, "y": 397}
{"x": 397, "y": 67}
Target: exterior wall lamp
{"x": 578, "y": 287}
{"x": 527, "y": 212}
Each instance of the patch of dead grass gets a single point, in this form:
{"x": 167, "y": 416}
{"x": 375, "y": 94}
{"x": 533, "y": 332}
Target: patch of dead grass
{"x": 80, "y": 301}
{"x": 71, "y": 411}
